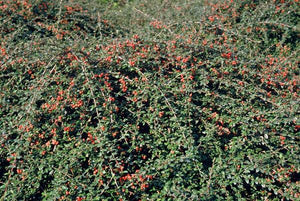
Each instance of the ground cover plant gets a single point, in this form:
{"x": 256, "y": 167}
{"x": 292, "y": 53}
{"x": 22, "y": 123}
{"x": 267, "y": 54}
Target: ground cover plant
{"x": 149, "y": 100}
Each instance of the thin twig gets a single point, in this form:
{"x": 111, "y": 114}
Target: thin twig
{"x": 210, "y": 175}
{"x": 8, "y": 180}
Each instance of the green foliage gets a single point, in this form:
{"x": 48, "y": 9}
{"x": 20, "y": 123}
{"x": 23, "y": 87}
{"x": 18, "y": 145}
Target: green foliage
{"x": 149, "y": 100}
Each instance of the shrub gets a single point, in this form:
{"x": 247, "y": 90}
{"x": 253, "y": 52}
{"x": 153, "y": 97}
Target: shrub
{"x": 168, "y": 101}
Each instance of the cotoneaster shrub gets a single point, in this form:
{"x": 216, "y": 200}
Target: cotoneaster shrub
{"x": 138, "y": 100}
